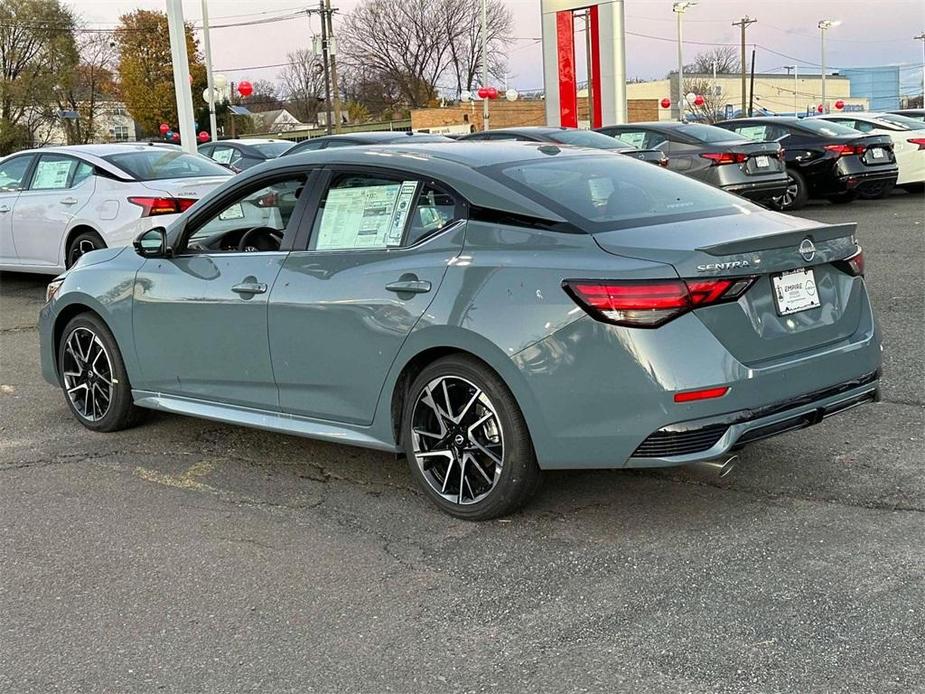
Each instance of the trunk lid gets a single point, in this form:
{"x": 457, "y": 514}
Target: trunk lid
{"x": 756, "y": 158}
{"x": 193, "y": 188}
{"x": 761, "y": 244}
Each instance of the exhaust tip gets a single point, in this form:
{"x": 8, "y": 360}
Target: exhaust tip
{"x": 721, "y": 467}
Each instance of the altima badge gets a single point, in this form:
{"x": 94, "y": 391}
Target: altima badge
{"x": 807, "y": 250}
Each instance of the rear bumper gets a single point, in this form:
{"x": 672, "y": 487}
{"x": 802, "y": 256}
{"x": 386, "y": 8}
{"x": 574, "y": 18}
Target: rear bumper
{"x": 763, "y": 190}
{"x": 860, "y": 181}
{"x": 708, "y": 438}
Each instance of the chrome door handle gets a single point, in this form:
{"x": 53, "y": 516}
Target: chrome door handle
{"x": 69, "y": 201}
{"x": 4, "y": 209}
{"x": 409, "y": 287}
{"x": 249, "y": 288}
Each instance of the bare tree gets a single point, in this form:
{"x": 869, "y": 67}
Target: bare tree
{"x": 86, "y": 90}
{"x": 303, "y": 85}
{"x": 463, "y": 27}
{"x": 404, "y": 42}
{"x": 714, "y": 100}
{"x": 726, "y": 59}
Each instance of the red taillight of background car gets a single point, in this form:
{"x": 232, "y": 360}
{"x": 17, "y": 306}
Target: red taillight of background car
{"x": 651, "y": 303}
{"x": 843, "y": 150}
{"x": 663, "y": 162}
{"x": 718, "y": 158}
{"x": 920, "y": 141}
{"x": 154, "y": 206}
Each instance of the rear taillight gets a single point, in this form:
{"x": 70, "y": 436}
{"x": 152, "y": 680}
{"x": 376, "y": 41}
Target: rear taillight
{"x": 920, "y": 141}
{"x": 725, "y": 157}
{"x": 853, "y": 264}
{"x": 651, "y": 303}
{"x": 845, "y": 150}
{"x": 152, "y": 206}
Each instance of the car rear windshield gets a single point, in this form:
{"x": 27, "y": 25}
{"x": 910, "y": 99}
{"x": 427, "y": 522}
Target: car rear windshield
{"x": 272, "y": 149}
{"x": 706, "y": 133}
{"x": 902, "y": 121}
{"x": 586, "y": 138}
{"x": 603, "y": 192}
{"x": 827, "y": 128}
{"x": 157, "y": 163}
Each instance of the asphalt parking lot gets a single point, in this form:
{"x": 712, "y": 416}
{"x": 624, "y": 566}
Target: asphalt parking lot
{"x": 186, "y": 555}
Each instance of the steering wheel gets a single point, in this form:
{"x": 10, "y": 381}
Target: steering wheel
{"x": 260, "y": 238}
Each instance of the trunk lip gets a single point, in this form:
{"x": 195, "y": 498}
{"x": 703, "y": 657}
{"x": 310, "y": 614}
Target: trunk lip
{"x": 780, "y": 239}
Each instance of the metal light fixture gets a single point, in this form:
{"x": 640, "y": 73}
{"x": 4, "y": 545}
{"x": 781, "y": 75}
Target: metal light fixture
{"x": 823, "y": 25}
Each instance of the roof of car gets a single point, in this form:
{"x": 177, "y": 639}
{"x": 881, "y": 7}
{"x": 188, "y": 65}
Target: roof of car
{"x": 101, "y": 150}
{"x": 789, "y": 120}
{"x": 379, "y": 136}
{"x": 250, "y": 141}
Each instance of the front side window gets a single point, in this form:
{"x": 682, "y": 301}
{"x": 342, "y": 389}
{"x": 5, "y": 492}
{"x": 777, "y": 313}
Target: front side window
{"x": 363, "y": 212}
{"x": 12, "y": 173}
{"x": 53, "y": 172}
{"x": 265, "y": 211}
{"x": 606, "y": 192}
{"x": 156, "y": 163}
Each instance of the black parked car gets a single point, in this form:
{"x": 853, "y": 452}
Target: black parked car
{"x": 754, "y": 170}
{"x": 824, "y": 159}
{"x": 379, "y": 137}
{"x": 570, "y": 136}
{"x": 238, "y": 155}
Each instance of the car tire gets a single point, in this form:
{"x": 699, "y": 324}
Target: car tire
{"x": 459, "y": 422}
{"x": 93, "y": 378}
{"x": 913, "y": 187}
{"x": 877, "y": 192}
{"x": 796, "y": 196}
{"x": 842, "y": 198}
{"x": 82, "y": 243}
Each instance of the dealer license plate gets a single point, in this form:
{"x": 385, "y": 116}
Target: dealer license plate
{"x": 795, "y": 291}
{"x": 762, "y": 162}
{"x": 876, "y": 152}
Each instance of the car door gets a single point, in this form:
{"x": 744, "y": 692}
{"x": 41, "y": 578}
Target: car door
{"x": 374, "y": 255}
{"x": 14, "y": 172}
{"x": 58, "y": 189}
{"x": 200, "y": 317}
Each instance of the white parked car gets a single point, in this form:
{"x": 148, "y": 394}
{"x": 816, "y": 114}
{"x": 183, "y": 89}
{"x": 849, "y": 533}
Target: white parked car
{"x": 58, "y": 203}
{"x": 908, "y": 137}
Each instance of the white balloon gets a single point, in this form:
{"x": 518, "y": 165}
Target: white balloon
{"x": 511, "y": 95}
{"x": 207, "y": 95}
{"x": 691, "y": 96}
{"x": 220, "y": 81}
{"x": 465, "y": 95}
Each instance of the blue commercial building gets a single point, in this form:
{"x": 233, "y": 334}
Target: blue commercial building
{"x": 879, "y": 84}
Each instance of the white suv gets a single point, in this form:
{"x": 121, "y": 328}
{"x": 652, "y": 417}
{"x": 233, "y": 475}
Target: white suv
{"x": 58, "y": 203}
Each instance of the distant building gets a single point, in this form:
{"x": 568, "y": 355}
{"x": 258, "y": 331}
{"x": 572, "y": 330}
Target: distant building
{"x": 275, "y": 121}
{"x": 879, "y": 85}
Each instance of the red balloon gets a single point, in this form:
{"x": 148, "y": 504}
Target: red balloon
{"x": 698, "y": 100}
{"x": 203, "y": 136}
{"x": 820, "y": 108}
{"x": 176, "y": 137}
{"x": 164, "y": 128}
{"x": 245, "y": 88}
{"x": 666, "y": 102}
{"x": 483, "y": 92}
{"x": 492, "y": 92}
{"x": 839, "y": 104}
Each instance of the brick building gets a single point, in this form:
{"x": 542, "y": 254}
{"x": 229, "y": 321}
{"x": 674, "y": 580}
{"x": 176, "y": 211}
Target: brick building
{"x": 458, "y": 119}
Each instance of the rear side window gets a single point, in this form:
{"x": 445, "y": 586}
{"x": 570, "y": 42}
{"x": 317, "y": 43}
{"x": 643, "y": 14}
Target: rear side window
{"x": 606, "y": 192}
{"x": 156, "y": 163}
{"x": 53, "y": 172}
{"x": 432, "y": 211}
{"x": 12, "y": 172}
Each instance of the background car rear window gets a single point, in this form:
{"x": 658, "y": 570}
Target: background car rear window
{"x": 586, "y": 138}
{"x": 706, "y": 133}
{"x": 155, "y": 163}
{"x": 272, "y": 149}
{"x": 611, "y": 191}
{"x": 826, "y": 128}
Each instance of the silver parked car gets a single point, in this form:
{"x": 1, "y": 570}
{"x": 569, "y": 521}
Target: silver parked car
{"x": 488, "y": 311}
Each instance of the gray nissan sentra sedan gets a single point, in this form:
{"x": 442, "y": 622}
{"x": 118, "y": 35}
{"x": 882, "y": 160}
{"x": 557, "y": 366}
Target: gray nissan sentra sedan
{"x": 490, "y": 312}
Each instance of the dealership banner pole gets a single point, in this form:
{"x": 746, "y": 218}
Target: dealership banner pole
{"x": 181, "y": 85}
{"x": 210, "y": 84}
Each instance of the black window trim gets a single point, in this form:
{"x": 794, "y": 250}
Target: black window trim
{"x": 328, "y": 172}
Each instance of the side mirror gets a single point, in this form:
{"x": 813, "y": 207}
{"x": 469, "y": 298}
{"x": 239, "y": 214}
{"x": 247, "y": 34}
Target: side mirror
{"x": 152, "y": 243}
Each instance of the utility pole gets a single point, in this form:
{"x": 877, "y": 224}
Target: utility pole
{"x": 788, "y": 68}
{"x": 328, "y": 17}
{"x": 743, "y": 25}
{"x": 210, "y": 83}
{"x": 679, "y": 8}
{"x": 921, "y": 37}
{"x": 324, "y": 58}
{"x": 485, "y": 114}
{"x": 751, "y": 88}
{"x": 824, "y": 25}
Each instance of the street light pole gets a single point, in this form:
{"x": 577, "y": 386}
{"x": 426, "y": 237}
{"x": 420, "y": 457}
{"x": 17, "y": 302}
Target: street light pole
{"x": 824, "y": 25}
{"x": 485, "y": 114}
{"x": 921, "y": 37}
{"x": 213, "y": 128}
{"x": 679, "y": 8}
{"x": 788, "y": 68}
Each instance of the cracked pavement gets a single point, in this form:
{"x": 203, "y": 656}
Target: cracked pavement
{"x": 185, "y": 555}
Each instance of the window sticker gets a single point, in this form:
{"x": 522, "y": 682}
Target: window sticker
{"x": 365, "y": 217}
{"x": 223, "y": 155}
{"x": 51, "y": 174}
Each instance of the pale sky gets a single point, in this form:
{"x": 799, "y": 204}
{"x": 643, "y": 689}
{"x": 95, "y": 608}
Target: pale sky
{"x": 873, "y": 32}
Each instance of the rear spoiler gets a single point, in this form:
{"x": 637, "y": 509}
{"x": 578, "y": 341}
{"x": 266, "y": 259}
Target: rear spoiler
{"x": 782, "y": 239}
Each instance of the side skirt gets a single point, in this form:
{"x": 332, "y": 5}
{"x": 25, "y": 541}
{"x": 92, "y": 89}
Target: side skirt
{"x": 280, "y": 422}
